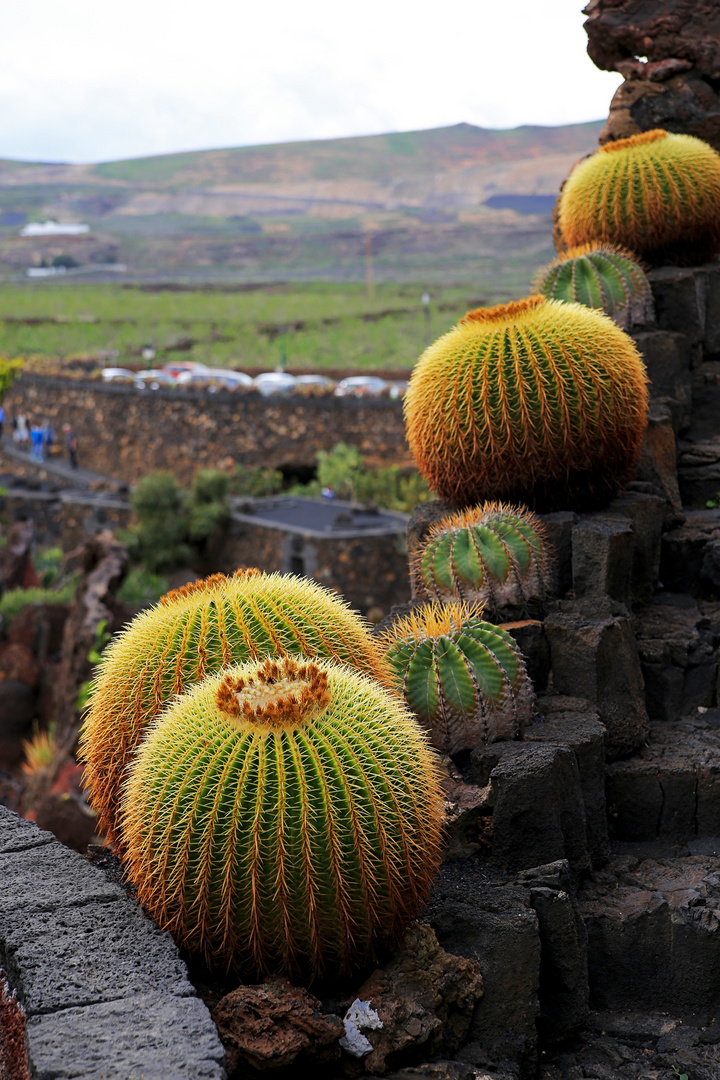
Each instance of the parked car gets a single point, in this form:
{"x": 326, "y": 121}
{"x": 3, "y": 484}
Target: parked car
{"x": 314, "y": 384}
{"x": 117, "y": 374}
{"x": 182, "y": 366}
{"x": 275, "y": 382}
{"x": 214, "y": 378}
{"x": 398, "y": 389}
{"x": 361, "y": 386}
{"x": 153, "y": 380}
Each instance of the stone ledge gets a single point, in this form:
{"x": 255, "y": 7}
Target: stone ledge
{"x": 105, "y": 991}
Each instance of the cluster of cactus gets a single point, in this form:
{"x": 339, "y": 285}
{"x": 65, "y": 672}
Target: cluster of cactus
{"x": 534, "y": 401}
{"x": 465, "y": 679}
{"x": 194, "y": 632}
{"x": 657, "y": 194}
{"x": 600, "y": 275}
{"x": 492, "y": 555}
{"x": 283, "y": 816}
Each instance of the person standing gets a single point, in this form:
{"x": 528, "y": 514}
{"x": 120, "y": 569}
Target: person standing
{"x": 21, "y": 433}
{"x": 71, "y": 443}
{"x": 2, "y": 420}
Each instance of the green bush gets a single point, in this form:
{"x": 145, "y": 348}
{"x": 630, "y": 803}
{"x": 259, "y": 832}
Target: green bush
{"x": 142, "y": 588}
{"x": 208, "y": 507}
{"x": 255, "y": 483}
{"x": 159, "y": 540}
{"x": 14, "y": 600}
{"x": 47, "y": 564}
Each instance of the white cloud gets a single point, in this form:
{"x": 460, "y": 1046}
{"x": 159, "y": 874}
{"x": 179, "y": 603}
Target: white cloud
{"x": 85, "y": 81}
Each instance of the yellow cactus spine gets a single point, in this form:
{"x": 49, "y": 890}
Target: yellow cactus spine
{"x": 536, "y": 401}
{"x": 196, "y": 631}
{"x": 464, "y": 679}
{"x": 656, "y": 193}
{"x": 284, "y": 816}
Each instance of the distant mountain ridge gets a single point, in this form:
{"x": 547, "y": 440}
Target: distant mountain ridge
{"x": 195, "y": 209}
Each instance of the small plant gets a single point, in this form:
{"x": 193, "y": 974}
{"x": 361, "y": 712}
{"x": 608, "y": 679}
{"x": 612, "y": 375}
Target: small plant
{"x": 600, "y": 276}
{"x": 48, "y": 563}
{"x": 465, "y": 679}
{"x": 208, "y": 506}
{"x": 283, "y": 816}
{"x": 141, "y": 588}
{"x": 256, "y": 483}
{"x": 655, "y": 193}
{"x": 492, "y": 555}
{"x": 159, "y": 539}
{"x": 40, "y": 750}
{"x": 16, "y": 600}
{"x": 535, "y": 401}
{"x": 193, "y": 632}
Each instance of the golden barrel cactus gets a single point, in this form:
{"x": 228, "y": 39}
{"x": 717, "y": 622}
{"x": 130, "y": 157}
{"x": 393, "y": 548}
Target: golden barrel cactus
{"x": 492, "y": 555}
{"x": 193, "y": 632}
{"x": 284, "y": 816}
{"x": 464, "y": 678}
{"x": 535, "y": 401}
{"x": 656, "y": 193}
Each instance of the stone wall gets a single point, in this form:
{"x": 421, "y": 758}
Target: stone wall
{"x": 125, "y": 433}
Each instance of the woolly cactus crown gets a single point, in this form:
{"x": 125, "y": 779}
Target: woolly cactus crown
{"x": 655, "y": 193}
{"x": 283, "y": 816}
{"x": 465, "y": 679}
{"x": 600, "y": 275}
{"x": 195, "y": 631}
{"x": 536, "y": 401}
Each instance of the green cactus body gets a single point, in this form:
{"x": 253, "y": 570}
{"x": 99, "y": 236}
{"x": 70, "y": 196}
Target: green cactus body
{"x": 492, "y": 555}
{"x": 464, "y": 679}
{"x": 196, "y": 631}
{"x": 600, "y": 276}
{"x": 535, "y": 401}
{"x": 656, "y": 193}
{"x": 284, "y": 816}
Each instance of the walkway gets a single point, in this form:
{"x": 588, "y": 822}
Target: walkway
{"x": 60, "y": 468}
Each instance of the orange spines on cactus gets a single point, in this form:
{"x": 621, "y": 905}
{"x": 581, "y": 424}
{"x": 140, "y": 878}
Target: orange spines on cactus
{"x": 494, "y": 555}
{"x": 193, "y": 632}
{"x": 284, "y": 816}
{"x": 656, "y": 193}
{"x": 537, "y": 401}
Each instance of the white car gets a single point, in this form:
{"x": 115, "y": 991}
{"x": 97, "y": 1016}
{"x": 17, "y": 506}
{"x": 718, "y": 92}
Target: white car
{"x": 117, "y": 374}
{"x": 226, "y": 377}
{"x": 153, "y": 379}
{"x": 361, "y": 386}
{"x": 275, "y": 382}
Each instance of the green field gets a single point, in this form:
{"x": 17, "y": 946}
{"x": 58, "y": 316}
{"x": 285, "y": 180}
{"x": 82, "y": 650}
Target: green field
{"x": 314, "y": 326}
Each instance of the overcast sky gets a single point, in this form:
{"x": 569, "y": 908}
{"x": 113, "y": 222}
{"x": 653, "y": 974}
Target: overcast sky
{"x": 85, "y": 80}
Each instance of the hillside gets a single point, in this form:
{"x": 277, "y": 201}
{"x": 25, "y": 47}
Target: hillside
{"x": 303, "y": 210}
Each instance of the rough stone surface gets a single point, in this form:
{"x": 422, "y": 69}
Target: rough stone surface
{"x": 530, "y": 637}
{"x": 690, "y": 554}
{"x": 574, "y": 723}
{"x": 671, "y": 789}
{"x": 667, "y": 358}
{"x": 564, "y": 989}
{"x": 467, "y": 824}
{"x": 680, "y": 296}
{"x": 17, "y": 708}
{"x": 602, "y": 557}
{"x": 558, "y": 529}
{"x": 148, "y": 1037}
{"x": 524, "y": 778}
{"x": 654, "y": 933}
{"x": 594, "y": 656}
{"x": 478, "y": 914}
{"x": 276, "y": 1025}
{"x": 105, "y": 990}
{"x": 647, "y": 514}
{"x": 677, "y": 645}
{"x": 425, "y": 998}
{"x": 657, "y": 468}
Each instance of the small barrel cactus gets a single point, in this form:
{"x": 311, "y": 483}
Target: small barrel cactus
{"x": 493, "y": 555}
{"x": 600, "y": 276}
{"x": 193, "y": 632}
{"x": 464, "y": 679}
{"x": 656, "y": 193}
{"x": 284, "y": 816}
{"x": 534, "y": 401}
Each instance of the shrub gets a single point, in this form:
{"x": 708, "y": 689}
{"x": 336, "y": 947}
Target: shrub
{"x": 159, "y": 539}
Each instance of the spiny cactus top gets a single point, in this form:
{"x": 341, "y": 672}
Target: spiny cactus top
{"x": 493, "y": 555}
{"x": 656, "y": 193}
{"x": 535, "y": 401}
{"x": 601, "y": 276}
{"x": 284, "y": 816}
{"x": 195, "y": 631}
{"x": 465, "y": 679}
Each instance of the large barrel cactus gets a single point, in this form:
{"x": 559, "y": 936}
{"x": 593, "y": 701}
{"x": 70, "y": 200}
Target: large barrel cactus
{"x": 493, "y": 555}
{"x": 284, "y": 816}
{"x": 656, "y": 193}
{"x": 193, "y": 632}
{"x": 464, "y": 679}
{"x": 535, "y": 401}
{"x": 600, "y": 276}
